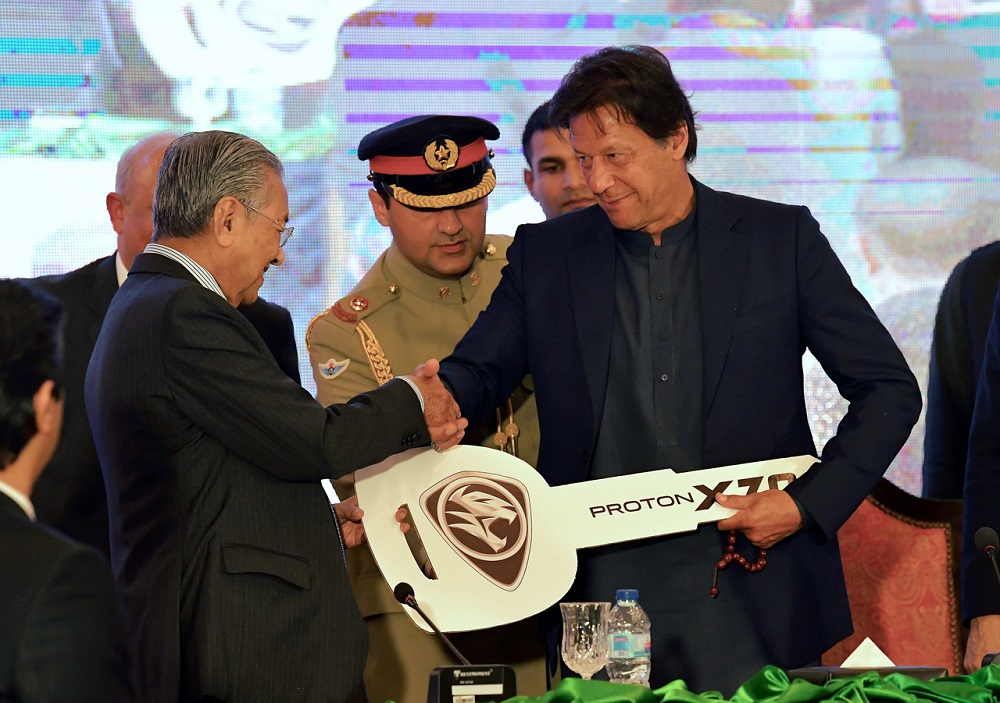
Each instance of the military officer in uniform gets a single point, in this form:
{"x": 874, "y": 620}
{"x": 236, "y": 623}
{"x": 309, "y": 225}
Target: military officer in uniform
{"x": 431, "y": 176}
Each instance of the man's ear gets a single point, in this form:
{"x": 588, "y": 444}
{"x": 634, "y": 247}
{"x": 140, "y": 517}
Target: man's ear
{"x": 529, "y": 182}
{"x": 226, "y": 221}
{"x": 379, "y": 207}
{"x": 116, "y": 211}
{"x": 678, "y": 141}
{"x": 48, "y": 409}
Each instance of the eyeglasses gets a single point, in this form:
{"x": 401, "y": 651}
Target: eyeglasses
{"x": 284, "y": 233}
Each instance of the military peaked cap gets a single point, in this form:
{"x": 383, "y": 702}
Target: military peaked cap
{"x": 432, "y": 161}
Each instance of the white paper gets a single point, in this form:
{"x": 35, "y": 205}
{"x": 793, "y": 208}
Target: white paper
{"x": 867, "y": 656}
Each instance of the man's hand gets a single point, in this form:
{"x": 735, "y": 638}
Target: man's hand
{"x": 765, "y": 518}
{"x": 441, "y": 413}
{"x": 413, "y": 541}
{"x": 349, "y": 516}
{"x": 404, "y": 525}
{"x": 984, "y": 637}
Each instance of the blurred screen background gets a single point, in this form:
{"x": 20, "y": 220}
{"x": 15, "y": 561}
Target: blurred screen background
{"x": 880, "y": 115}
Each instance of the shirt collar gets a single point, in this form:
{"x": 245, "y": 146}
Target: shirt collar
{"x": 19, "y": 498}
{"x": 120, "y": 269}
{"x": 199, "y": 272}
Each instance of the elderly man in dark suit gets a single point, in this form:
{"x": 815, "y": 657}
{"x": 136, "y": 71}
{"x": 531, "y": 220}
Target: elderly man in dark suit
{"x": 222, "y": 540}
{"x": 665, "y": 328}
{"x": 70, "y": 495}
{"x": 61, "y": 634}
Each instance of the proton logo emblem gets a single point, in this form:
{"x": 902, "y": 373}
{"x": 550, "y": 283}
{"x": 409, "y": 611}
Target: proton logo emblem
{"x": 441, "y": 154}
{"x": 485, "y": 519}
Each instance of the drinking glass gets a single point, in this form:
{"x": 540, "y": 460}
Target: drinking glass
{"x": 585, "y": 647}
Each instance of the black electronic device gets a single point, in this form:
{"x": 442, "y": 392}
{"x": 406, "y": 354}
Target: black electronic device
{"x": 468, "y": 683}
{"x": 471, "y": 684}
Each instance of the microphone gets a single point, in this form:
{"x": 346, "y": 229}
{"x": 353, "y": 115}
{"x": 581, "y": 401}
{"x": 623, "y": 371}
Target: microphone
{"x": 474, "y": 684}
{"x": 987, "y": 541}
{"x": 403, "y": 592}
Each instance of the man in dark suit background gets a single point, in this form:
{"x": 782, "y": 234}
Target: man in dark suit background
{"x": 960, "y": 330}
{"x": 981, "y": 496}
{"x": 61, "y": 635}
{"x": 665, "y": 328}
{"x": 70, "y": 494}
{"x": 222, "y": 540}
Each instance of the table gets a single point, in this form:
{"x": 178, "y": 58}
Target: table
{"x": 771, "y": 685}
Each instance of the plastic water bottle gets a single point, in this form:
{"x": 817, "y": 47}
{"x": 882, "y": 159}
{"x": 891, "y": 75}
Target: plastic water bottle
{"x": 628, "y": 630}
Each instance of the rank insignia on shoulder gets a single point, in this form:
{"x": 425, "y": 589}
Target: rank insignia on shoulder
{"x": 332, "y": 368}
{"x": 344, "y": 315}
{"x": 359, "y": 303}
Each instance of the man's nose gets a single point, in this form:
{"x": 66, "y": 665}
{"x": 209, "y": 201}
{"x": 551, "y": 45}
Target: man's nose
{"x": 449, "y": 222}
{"x": 279, "y": 259}
{"x": 599, "y": 179}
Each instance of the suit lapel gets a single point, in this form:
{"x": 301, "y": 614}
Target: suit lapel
{"x": 11, "y": 510}
{"x": 591, "y": 271}
{"x": 722, "y": 260}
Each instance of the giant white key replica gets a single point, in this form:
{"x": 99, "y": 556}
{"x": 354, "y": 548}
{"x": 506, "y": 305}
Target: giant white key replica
{"x": 503, "y": 543}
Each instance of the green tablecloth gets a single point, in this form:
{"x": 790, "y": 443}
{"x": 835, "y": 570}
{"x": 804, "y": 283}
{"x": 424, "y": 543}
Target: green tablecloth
{"x": 771, "y": 685}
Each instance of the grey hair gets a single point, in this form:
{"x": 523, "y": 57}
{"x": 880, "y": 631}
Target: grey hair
{"x": 133, "y": 155}
{"x": 201, "y": 168}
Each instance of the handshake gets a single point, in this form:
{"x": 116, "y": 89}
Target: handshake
{"x": 441, "y": 413}
{"x": 446, "y": 426}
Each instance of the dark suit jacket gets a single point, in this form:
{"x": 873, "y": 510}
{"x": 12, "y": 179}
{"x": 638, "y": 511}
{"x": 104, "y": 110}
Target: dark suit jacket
{"x": 70, "y": 493}
{"x": 770, "y": 286}
{"x": 222, "y": 540}
{"x": 61, "y": 634}
{"x": 963, "y": 319}
{"x": 274, "y": 324}
{"x": 980, "y": 591}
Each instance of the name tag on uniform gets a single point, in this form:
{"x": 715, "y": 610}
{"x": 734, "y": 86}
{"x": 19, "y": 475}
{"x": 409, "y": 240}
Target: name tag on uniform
{"x": 503, "y": 543}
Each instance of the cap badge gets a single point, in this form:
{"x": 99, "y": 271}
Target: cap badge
{"x": 332, "y": 368}
{"x": 441, "y": 154}
{"x": 359, "y": 303}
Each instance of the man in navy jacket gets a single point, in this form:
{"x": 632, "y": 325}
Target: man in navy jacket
{"x": 665, "y": 328}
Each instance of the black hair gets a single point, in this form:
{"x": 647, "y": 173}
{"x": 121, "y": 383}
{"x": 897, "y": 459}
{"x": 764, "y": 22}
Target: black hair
{"x": 636, "y": 83}
{"x": 539, "y": 121}
{"x": 29, "y": 356}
